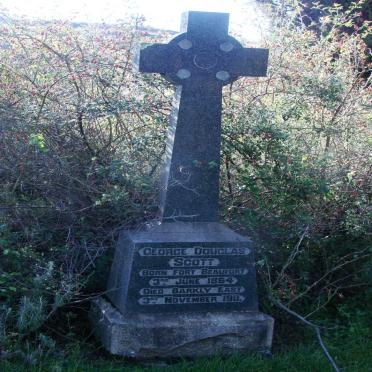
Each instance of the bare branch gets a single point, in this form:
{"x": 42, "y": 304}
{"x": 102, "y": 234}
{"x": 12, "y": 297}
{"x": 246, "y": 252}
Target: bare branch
{"x": 291, "y": 258}
{"x": 310, "y": 324}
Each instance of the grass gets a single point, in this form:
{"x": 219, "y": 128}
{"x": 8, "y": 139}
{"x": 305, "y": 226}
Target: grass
{"x": 352, "y": 352}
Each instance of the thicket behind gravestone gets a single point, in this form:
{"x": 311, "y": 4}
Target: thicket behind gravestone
{"x": 81, "y": 143}
{"x": 300, "y": 151}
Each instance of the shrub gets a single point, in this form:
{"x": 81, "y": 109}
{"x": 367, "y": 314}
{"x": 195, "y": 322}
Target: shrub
{"x": 81, "y": 141}
{"x": 297, "y": 174}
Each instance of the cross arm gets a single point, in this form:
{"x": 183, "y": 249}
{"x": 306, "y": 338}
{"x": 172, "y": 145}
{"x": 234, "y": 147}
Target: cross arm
{"x": 249, "y": 62}
{"x": 160, "y": 58}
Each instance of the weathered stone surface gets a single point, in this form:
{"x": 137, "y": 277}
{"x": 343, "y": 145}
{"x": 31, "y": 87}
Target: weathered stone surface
{"x": 188, "y": 289}
{"x": 183, "y": 267}
{"x": 148, "y": 336}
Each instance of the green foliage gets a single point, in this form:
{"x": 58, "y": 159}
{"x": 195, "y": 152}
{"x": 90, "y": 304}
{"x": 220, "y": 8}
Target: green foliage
{"x": 297, "y": 174}
{"x": 31, "y": 314}
{"x": 81, "y": 136}
{"x": 81, "y": 142}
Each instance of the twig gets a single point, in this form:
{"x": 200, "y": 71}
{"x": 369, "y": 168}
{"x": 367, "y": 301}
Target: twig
{"x": 7, "y": 355}
{"x": 333, "y": 269}
{"x": 291, "y": 257}
{"x": 325, "y": 351}
{"x": 310, "y": 324}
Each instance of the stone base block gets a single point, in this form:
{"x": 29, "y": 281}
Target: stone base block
{"x": 191, "y": 335}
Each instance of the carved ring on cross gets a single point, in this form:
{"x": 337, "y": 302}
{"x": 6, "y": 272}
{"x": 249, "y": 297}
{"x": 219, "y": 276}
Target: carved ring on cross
{"x": 200, "y": 61}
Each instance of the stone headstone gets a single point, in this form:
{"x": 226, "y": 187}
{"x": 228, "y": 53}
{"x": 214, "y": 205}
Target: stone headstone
{"x": 186, "y": 287}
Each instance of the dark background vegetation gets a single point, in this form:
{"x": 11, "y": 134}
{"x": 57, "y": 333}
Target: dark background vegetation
{"x": 81, "y": 141}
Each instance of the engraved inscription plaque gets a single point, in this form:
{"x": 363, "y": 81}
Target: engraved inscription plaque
{"x": 168, "y": 277}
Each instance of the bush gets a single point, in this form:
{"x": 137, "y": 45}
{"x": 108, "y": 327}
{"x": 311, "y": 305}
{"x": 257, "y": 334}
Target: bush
{"x": 297, "y": 174}
{"x": 81, "y": 140}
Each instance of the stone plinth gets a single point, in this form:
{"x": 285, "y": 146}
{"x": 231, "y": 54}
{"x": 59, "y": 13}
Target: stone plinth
{"x": 187, "y": 335}
{"x": 182, "y": 290}
{"x": 183, "y": 266}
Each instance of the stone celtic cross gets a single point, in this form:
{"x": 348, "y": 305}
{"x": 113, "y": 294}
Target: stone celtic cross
{"x": 199, "y": 61}
{"x": 188, "y": 289}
